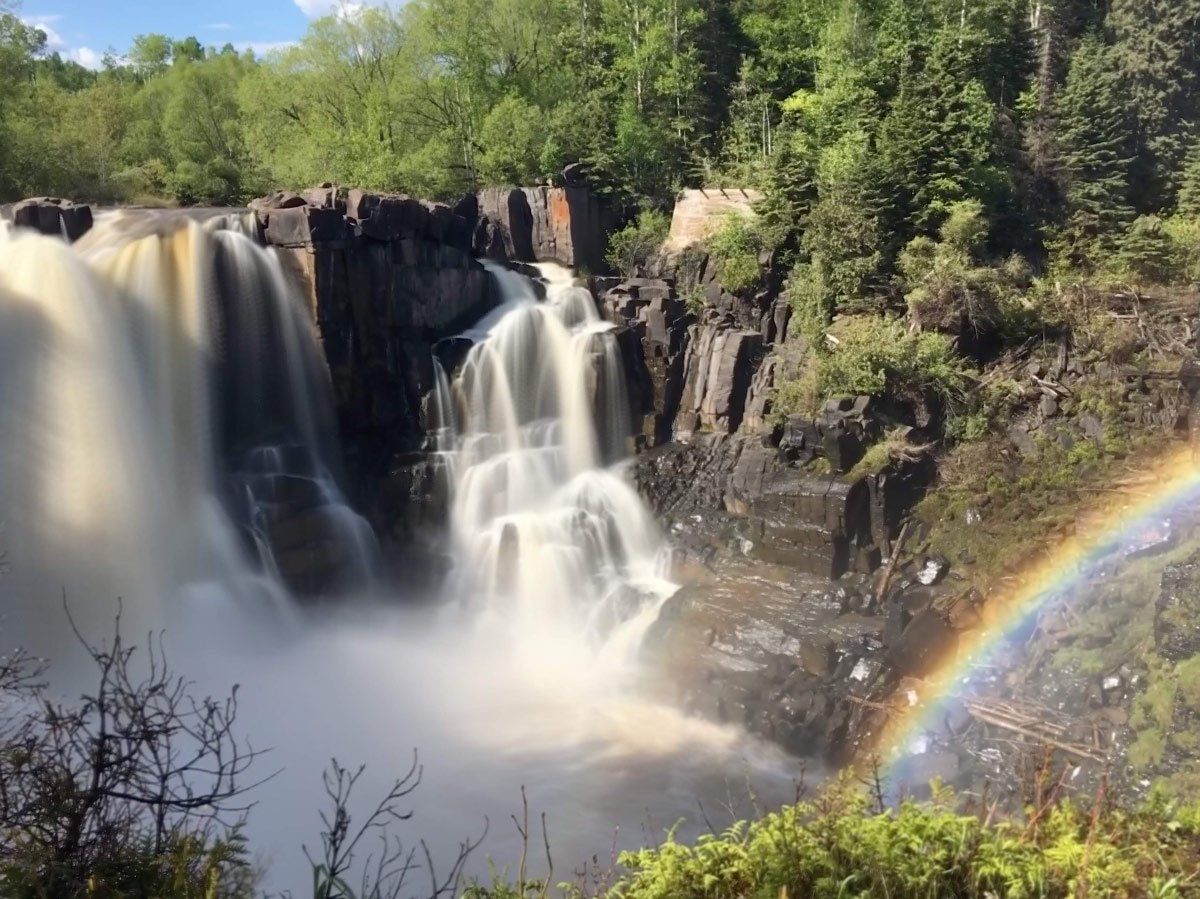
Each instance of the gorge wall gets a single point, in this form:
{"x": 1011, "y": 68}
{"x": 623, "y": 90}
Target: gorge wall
{"x": 390, "y": 282}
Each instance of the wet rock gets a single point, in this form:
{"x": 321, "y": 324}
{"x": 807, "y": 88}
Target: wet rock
{"x": 568, "y": 225}
{"x": 299, "y": 226}
{"x": 816, "y": 657}
{"x": 865, "y": 671}
{"x": 54, "y": 217}
{"x": 1177, "y": 611}
{"x": 925, "y": 642}
{"x": 932, "y": 571}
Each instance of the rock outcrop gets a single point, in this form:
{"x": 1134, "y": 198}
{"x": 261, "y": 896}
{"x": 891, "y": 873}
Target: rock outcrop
{"x": 653, "y": 341}
{"x": 53, "y": 216}
{"x": 724, "y": 477}
{"x": 568, "y": 225}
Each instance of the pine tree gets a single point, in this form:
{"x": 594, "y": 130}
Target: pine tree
{"x": 1156, "y": 44}
{"x": 1148, "y": 252}
{"x": 1095, "y": 137}
{"x": 1189, "y": 185}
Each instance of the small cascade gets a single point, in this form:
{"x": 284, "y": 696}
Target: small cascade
{"x": 549, "y": 539}
{"x": 165, "y": 425}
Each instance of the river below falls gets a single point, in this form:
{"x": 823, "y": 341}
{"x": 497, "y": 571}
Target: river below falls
{"x": 606, "y": 767}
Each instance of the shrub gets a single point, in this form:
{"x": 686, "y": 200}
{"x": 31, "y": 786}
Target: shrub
{"x": 873, "y": 356}
{"x": 842, "y": 845}
{"x": 1184, "y": 235}
{"x": 894, "y": 447}
{"x": 812, "y": 300}
{"x": 125, "y": 792}
{"x": 734, "y": 247}
{"x": 1148, "y": 252}
{"x": 637, "y": 243}
{"x": 948, "y": 289}
{"x": 877, "y": 355}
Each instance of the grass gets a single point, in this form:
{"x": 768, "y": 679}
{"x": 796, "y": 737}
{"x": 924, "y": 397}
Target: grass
{"x": 894, "y": 447}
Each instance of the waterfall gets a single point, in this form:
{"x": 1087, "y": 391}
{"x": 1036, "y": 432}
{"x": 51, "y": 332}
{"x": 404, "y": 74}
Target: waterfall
{"x": 548, "y": 538}
{"x": 166, "y": 435}
{"x": 163, "y": 413}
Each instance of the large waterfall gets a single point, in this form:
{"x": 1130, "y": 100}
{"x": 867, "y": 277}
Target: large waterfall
{"x": 165, "y": 422}
{"x": 158, "y": 395}
{"x": 548, "y": 538}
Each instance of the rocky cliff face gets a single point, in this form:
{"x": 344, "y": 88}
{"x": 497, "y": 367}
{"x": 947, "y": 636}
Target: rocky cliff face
{"x": 720, "y": 471}
{"x": 387, "y": 277}
{"x": 568, "y": 225}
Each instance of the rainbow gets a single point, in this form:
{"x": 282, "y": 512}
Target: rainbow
{"x": 1173, "y": 485}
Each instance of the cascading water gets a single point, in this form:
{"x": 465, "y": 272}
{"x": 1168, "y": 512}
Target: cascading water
{"x": 136, "y": 374}
{"x": 549, "y": 540}
{"x": 165, "y": 424}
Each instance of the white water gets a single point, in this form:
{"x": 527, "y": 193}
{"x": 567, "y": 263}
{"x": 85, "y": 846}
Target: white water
{"x": 552, "y": 543}
{"x": 140, "y": 378}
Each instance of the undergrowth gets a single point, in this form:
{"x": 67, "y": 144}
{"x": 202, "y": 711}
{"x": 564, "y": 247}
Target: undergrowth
{"x": 840, "y": 845}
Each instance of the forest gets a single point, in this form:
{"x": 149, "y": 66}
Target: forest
{"x": 1063, "y": 131}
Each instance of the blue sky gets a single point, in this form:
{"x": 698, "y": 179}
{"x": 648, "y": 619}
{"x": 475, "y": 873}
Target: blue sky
{"x": 84, "y": 29}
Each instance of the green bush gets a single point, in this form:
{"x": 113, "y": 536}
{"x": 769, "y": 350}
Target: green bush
{"x": 875, "y": 356}
{"x": 638, "y": 242}
{"x": 1149, "y": 253}
{"x": 841, "y": 846}
{"x": 948, "y": 288}
{"x": 734, "y": 247}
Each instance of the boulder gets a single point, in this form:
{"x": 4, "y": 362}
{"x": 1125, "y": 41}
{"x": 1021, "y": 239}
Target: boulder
{"x": 54, "y": 217}
{"x": 925, "y": 643}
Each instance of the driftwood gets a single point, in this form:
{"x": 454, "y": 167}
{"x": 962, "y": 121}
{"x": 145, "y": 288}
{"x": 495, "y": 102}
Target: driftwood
{"x": 1033, "y": 722}
{"x": 891, "y": 565}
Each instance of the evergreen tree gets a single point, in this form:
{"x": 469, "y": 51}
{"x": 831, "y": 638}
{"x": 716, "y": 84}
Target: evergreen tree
{"x": 1095, "y": 139}
{"x": 1189, "y": 185}
{"x": 1156, "y": 44}
{"x": 1147, "y": 251}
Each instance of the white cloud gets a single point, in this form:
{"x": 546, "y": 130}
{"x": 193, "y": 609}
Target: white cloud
{"x": 54, "y": 41}
{"x": 314, "y": 9}
{"x": 220, "y": 26}
{"x": 85, "y": 56}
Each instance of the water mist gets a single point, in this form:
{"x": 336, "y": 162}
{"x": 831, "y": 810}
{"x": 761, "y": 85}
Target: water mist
{"x": 161, "y": 392}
